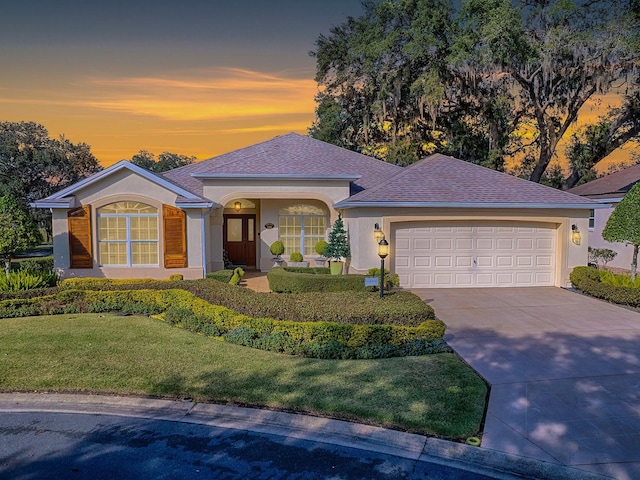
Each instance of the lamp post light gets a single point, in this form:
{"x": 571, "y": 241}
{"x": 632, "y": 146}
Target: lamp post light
{"x": 383, "y": 251}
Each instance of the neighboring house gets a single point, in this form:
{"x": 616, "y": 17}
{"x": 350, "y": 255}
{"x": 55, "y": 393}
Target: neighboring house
{"x": 448, "y": 222}
{"x": 608, "y": 191}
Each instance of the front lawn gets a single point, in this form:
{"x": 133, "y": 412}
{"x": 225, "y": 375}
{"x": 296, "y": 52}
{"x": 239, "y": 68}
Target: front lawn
{"x": 432, "y": 394}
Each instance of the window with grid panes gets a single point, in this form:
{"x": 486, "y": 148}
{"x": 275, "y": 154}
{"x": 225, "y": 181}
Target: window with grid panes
{"x": 128, "y": 234}
{"x": 300, "y": 228}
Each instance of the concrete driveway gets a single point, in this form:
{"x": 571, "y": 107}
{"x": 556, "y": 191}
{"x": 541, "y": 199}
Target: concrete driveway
{"x": 564, "y": 371}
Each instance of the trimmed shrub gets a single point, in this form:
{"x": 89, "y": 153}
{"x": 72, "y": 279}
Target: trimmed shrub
{"x": 286, "y": 281}
{"x": 37, "y": 265}
{"x": 277, "y": 248}
{"x": 320, "y": 247}
{"x": 296, "y": 257}
{"x": 588, "y": 280}
{"x": 176, "y": 277}
{"x": 223, "y": 276}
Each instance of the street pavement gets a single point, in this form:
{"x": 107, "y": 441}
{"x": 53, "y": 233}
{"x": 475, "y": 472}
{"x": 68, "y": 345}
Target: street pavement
{"x": 92, "y": 437}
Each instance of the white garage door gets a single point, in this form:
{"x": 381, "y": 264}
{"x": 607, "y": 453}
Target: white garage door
{"x": 475, "y": 254}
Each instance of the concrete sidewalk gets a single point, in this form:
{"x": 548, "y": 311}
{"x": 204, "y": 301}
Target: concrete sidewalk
{"x": 564, "y": 371}
{"x": 482, "y": 461}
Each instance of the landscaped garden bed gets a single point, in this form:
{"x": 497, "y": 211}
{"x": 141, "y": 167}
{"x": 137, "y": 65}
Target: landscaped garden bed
{"x": 606, "y": 286}
{"x": 322, "y": 325}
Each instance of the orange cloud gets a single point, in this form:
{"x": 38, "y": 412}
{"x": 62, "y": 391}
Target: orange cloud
{"x": 222, "y": 94}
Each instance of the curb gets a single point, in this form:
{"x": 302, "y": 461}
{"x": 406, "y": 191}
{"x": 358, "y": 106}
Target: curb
{"x": 492, "y": 463}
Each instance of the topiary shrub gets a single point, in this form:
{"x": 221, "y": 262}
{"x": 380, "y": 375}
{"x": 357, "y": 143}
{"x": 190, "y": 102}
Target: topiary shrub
{"x": 277, "y": 248}
{"x": 320, "y": 247}
{"x": 296, "y": 257}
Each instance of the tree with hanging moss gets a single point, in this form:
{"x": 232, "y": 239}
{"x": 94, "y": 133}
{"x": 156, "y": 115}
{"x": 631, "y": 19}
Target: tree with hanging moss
{"x": 18, "y": 231}
{"x": 624, "y": 224}
{"x": 338, "y": 247}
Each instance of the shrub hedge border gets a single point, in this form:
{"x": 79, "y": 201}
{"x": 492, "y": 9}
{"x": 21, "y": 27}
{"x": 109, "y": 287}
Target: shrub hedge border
{"x": 587, "y": 279}
{"x": 304, "y": 280}
{"x": 184, "y": 309}
{"x": 398, "y": 307}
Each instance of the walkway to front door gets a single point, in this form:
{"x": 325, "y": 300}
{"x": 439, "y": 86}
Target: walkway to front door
{"x": 240, "y": 239}
{"x": 564, "y": 371}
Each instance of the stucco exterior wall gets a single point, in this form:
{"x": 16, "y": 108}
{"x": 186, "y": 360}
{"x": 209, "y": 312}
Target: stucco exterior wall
{"x": 625, "y": 252}
{"x": 122, "y": 186}
{"x": 360, "y": 223}
{"x": 267, "y": 212}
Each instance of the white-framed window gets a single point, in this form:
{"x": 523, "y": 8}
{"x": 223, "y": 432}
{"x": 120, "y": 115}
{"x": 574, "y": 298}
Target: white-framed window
{"x": 128, "y": 234}
{"x": 300, "y": 228}
{"x": 592, "y": 219}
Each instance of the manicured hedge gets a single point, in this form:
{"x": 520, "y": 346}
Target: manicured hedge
{"x": 223, "y": 276}
{"x": 303, "y": 280}
{"x": 182, "y": 308}
{"x": 587, "y": 279}
{"x": 397, "y": 308}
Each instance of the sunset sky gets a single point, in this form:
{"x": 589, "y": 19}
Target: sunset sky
{"x": 196, "y": 77}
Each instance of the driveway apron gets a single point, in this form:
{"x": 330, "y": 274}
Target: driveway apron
{"x": 564, "y": 371}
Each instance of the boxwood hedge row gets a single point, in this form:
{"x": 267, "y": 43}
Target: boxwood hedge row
{"x": 305, "y": 280}
{"x": 184, "y": 309}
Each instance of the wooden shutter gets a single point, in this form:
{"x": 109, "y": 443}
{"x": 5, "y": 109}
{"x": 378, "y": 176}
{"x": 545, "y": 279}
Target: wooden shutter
{"x": 79, "y": 225}
{"x": 175, "y": 237}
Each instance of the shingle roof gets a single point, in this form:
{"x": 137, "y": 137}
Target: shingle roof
{"x": 442, "y": 180}
{"x": 614, "y": 185}
{"x": 288, "y": 155}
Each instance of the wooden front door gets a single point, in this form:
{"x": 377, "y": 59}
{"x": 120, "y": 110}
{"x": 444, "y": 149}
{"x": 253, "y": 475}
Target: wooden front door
{"x": 240, "y": 239}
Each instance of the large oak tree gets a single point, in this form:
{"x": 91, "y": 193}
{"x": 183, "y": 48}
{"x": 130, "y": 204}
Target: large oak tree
{"x": 490, "y": 80}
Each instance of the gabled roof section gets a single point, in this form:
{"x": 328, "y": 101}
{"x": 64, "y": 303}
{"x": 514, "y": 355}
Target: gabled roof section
{"x": 290, "y": 156}
{"x": 614, "y": 185}
{"x": 62, "y": 198}
{"x": 442, "y": 181}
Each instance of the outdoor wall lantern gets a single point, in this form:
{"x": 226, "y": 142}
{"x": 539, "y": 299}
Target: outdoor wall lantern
{"x": 575, "y": 234}
{"x": 237, "y": 206}
{"x": 383, "y": 251}
{"x": 377, "y": 233}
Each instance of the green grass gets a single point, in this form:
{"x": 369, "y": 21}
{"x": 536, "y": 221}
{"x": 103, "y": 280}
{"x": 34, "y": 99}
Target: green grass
{"x": 433, "y": 394}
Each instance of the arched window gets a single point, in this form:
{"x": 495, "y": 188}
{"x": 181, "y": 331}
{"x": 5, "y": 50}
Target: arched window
{"x": 301, "y": 226}
{"x": 128, "y": 234}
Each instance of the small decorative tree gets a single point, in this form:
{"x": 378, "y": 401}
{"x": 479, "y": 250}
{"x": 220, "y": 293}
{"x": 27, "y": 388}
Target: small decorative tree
{"x": 321, "y": 247}
{"x": 338, "y": 247}
{"x": 601, "y": 255}
{"x": 624, "y": 224}
{"x": 18, "y": 231}
{"x": 277, "y": 248}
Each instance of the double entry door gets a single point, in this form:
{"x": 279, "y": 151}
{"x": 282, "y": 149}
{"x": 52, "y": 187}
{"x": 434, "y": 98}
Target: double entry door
{"x": 240, "y": 239}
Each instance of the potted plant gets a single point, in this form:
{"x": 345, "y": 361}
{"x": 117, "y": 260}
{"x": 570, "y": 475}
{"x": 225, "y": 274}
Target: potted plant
{"x": 320, "y": 248}
{"x": 338, "y": 246}
{"x": 277, "y": 249}
{"x": 297, "y": 260}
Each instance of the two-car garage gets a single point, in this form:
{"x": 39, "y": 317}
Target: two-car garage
{"x": 475, "y": 254}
